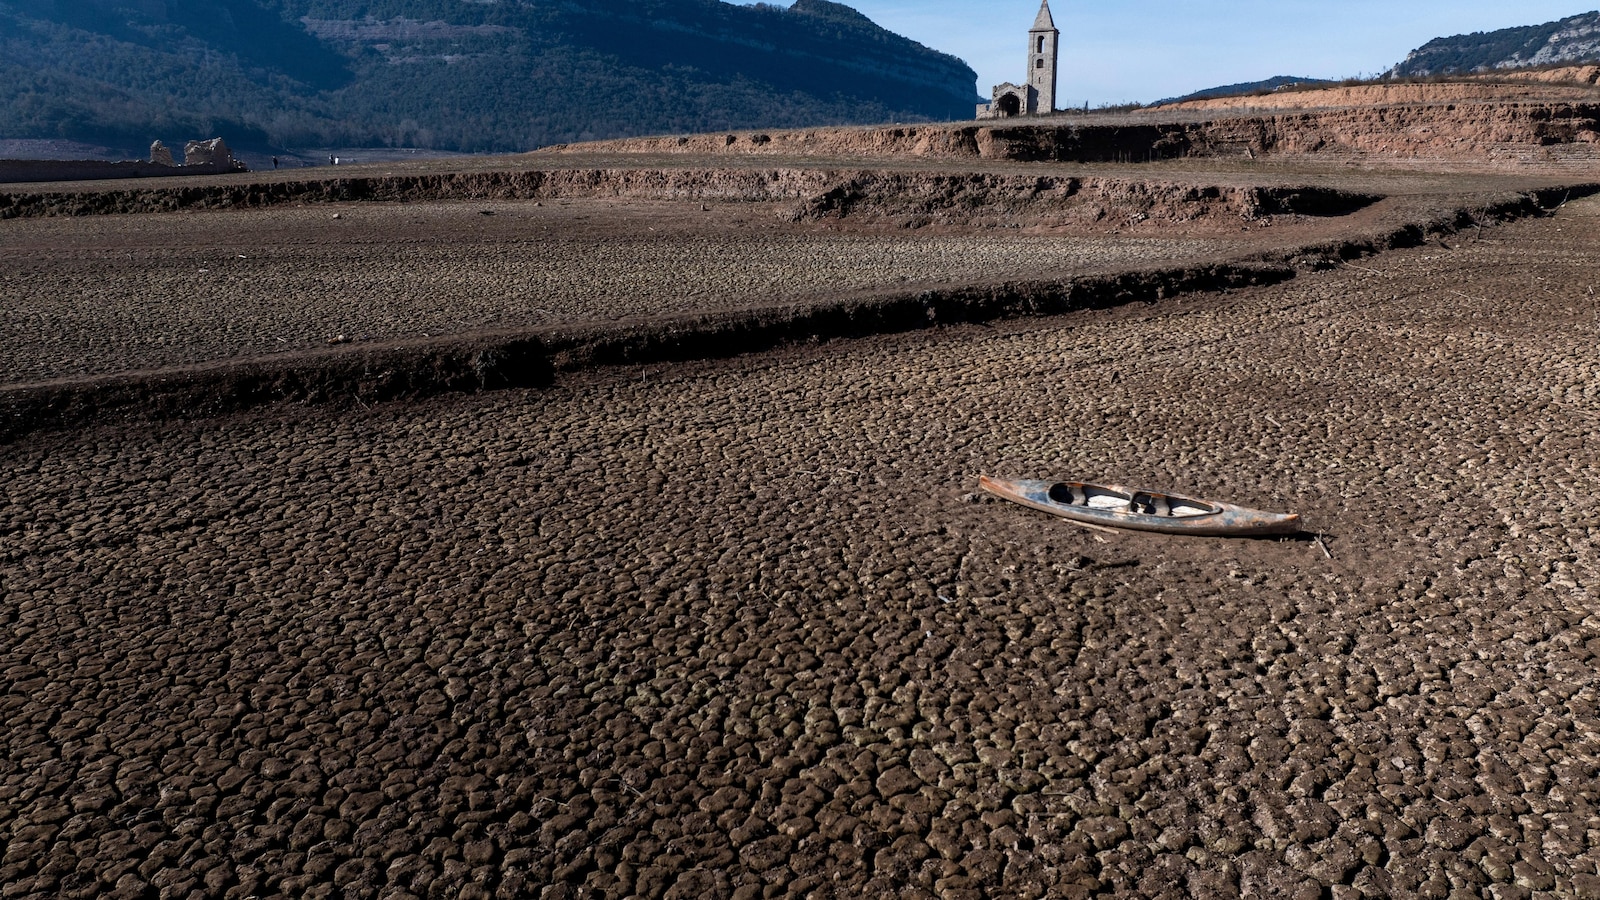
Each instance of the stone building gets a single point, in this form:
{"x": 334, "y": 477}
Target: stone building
{"x": 1038, "y": 96}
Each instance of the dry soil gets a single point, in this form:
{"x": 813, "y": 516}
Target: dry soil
{"x": 87, "y": 296}
{"x": 108, "y": 294}
{"x": 743, "y": 628}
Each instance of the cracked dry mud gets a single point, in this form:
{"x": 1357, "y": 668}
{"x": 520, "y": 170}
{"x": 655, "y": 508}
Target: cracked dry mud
{"x": 84, "y": 297}
{"x": 743, "y": 629}
{"x": 101, "y": 295}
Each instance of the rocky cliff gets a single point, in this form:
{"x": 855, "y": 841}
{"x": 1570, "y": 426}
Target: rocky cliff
{"x": 452, "y": 75}
{"x": 1572, "y": 40}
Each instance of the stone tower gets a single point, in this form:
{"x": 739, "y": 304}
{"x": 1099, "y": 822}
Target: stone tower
{"x": 1044, "y": 45}
{"x": 1036, "y": 96}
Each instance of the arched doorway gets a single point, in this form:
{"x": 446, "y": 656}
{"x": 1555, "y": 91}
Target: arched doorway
{"x": 1010, "y": 105}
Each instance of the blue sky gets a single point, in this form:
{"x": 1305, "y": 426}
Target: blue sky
{"x": 1115, "y": 52}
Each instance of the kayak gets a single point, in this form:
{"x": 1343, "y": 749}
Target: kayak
{"x": 1113, "y": 506}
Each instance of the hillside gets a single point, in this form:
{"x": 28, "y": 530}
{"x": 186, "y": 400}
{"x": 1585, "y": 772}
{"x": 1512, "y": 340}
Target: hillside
{"x": 451, "y": 75}
{"x": 1275, "y": 83}
{"x": 1571, "y": 40}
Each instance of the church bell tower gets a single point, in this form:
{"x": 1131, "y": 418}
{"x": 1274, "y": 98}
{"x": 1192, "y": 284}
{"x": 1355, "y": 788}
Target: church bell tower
{"x": 1044, "y": 46}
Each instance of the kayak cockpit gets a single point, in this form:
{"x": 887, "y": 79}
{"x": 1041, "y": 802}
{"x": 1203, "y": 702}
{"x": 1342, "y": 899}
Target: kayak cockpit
{"x": 1148, "y": 503}
{"x": 1117, "y": 507}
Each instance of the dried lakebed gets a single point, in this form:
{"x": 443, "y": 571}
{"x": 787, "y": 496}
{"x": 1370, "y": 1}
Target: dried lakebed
{"x": 83, "y": 297}
{"x": 86, "y": 296}
{"x": 742, "y": 628}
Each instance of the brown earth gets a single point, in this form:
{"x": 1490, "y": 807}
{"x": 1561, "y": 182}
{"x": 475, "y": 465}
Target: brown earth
{"x": 655, "y": 618}
{"x": 1589, "y": 75}
{"x": 1468, "y": 125}
{"x": 105, "y": 296}
{"x": 46, "y": 170}
{"x": 1569, "y": 85}
{"x": 742, "y": 628}
{"x": 1438, "y": 137}
{"x": 109, "y": 294}
{"x": 220, "y": 309}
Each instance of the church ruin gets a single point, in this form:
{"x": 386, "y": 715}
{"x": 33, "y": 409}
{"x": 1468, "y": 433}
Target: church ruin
{"x": 1038, "y": 96}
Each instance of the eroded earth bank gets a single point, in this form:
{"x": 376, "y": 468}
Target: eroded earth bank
{"x": 742, "y": 627}
{"x": 181, "y": 300}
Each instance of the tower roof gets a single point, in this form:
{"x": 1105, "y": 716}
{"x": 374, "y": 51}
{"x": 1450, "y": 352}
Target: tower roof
{"x": 1044, "y": 22}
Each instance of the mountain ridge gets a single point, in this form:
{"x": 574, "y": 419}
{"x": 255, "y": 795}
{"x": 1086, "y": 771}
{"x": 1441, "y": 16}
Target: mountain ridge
{"x": 1277, "y": 82}
{"x": 1575, "y": 39}
{"x": 490, "y": 75}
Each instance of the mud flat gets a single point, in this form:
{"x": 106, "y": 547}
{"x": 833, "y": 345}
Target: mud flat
{"x": 742, "y": 628}
{"x": 143, "y": 292}
{"x": 198, "y": 300}
{"x": 608, "y": 526}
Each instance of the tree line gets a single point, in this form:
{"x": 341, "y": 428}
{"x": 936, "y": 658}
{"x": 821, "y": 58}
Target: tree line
{"x": 551, "y": 74}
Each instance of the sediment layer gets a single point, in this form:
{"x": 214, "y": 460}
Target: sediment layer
{"x": 939, "y": 198}
{"x": 1465, "y": 134}
{"x": 414, "y": 369}
{"x": 1568, "y": 85}
{"x": 528, "y": 358}
{"x": 47, "y": 170}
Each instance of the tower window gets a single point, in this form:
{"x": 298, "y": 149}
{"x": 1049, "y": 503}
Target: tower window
{"x": 1038, "y": 64}
{"x": 1041, "y": 44}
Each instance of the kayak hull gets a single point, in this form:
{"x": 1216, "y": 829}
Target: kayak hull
{"x": 1114, "y": 506}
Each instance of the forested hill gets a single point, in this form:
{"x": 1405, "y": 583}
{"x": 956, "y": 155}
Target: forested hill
{"x": 1245, "y": 89}
{"x": 1572, "y": 40}
{"x": 474, "y": 75}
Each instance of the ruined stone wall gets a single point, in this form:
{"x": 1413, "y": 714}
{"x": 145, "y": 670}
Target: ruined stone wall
{"x": 210, "y": 157}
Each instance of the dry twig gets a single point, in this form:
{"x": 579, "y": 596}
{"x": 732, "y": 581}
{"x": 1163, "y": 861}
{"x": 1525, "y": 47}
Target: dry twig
{"x": 1323, "y": 547}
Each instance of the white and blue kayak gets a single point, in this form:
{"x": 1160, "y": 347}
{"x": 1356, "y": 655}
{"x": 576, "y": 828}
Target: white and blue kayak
{"x": 1113, "y": 506}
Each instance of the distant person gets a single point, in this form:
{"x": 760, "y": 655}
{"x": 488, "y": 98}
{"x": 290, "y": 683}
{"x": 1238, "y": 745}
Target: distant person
{"x": 274, "y": 162}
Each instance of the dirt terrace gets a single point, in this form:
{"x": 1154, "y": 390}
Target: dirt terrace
{"x": 1569, "y": 85}
{"x": 1469, "y": 127}
{"x": 743, "y": 629}
{"x": 131, "y": 293}
{"x": 83, "y": 297}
